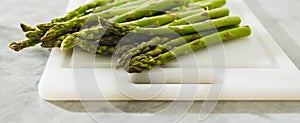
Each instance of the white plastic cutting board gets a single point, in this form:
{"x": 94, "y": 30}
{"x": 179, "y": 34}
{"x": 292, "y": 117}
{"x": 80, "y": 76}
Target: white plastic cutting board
{"x": 256, "y": 69}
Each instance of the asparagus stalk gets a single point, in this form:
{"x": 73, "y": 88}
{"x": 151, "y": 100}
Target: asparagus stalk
{"x": 80, "y": 10}
{"x": 119, "y": 4}
{"x": 161, "y": 19}
{"x": 212, "y": 14}
{"x": 212, "y": 4}
{"x": 151, "y": 9}
{"x": 205, "y": 4}
{"x": 192, "y": 28}
{"x": 116, "y": 11}
{"x": 147, "y": 62}
{"x": 134, "y": 3}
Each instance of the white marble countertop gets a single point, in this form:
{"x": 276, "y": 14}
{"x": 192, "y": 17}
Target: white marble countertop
{"x": 20, "y": 72}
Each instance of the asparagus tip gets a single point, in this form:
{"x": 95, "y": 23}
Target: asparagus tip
{"x": 14, "y": 46}
{"x": 26, "y": 28}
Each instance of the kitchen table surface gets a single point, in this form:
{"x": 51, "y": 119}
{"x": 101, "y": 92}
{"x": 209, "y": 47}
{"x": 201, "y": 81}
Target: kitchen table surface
{"x": 20, "y": 73}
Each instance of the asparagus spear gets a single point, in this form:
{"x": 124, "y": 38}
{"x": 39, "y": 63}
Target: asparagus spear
{"x": 147, "y": 62}
{"x": 17, "y": 46}
{"x": 151, "y": 9}
{"x": 205, "y": 4}
{"x": 161, "y": 19}
{"x": 192, "y": 28}
{"x": 212, "y": 4}
{"x": 80, "y": 10}
{"x": 26, "y": 28}
{"x": 118, "y": 4}
{"x": 116, "y": 11}
{"x": 212, "y": 14}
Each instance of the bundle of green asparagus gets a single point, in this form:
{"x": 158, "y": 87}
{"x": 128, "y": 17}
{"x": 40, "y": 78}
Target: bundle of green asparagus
{"x": 141, "y": 33}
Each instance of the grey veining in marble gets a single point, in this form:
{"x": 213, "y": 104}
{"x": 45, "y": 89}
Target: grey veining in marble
{"x": 20, "y": 73}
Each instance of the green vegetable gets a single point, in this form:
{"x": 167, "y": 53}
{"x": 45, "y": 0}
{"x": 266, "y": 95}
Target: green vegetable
{"x": 17, "y": 46}
{"x": 212, "y": 14}
{"x": 26, "y": 28}
{"x": 80, "y": 10}
{"x": 192, "y": 28}
{"x": 147, "y": 62}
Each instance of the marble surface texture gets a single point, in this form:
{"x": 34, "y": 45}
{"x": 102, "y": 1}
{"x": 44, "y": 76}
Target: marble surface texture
{"x": 20, "y": 73}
